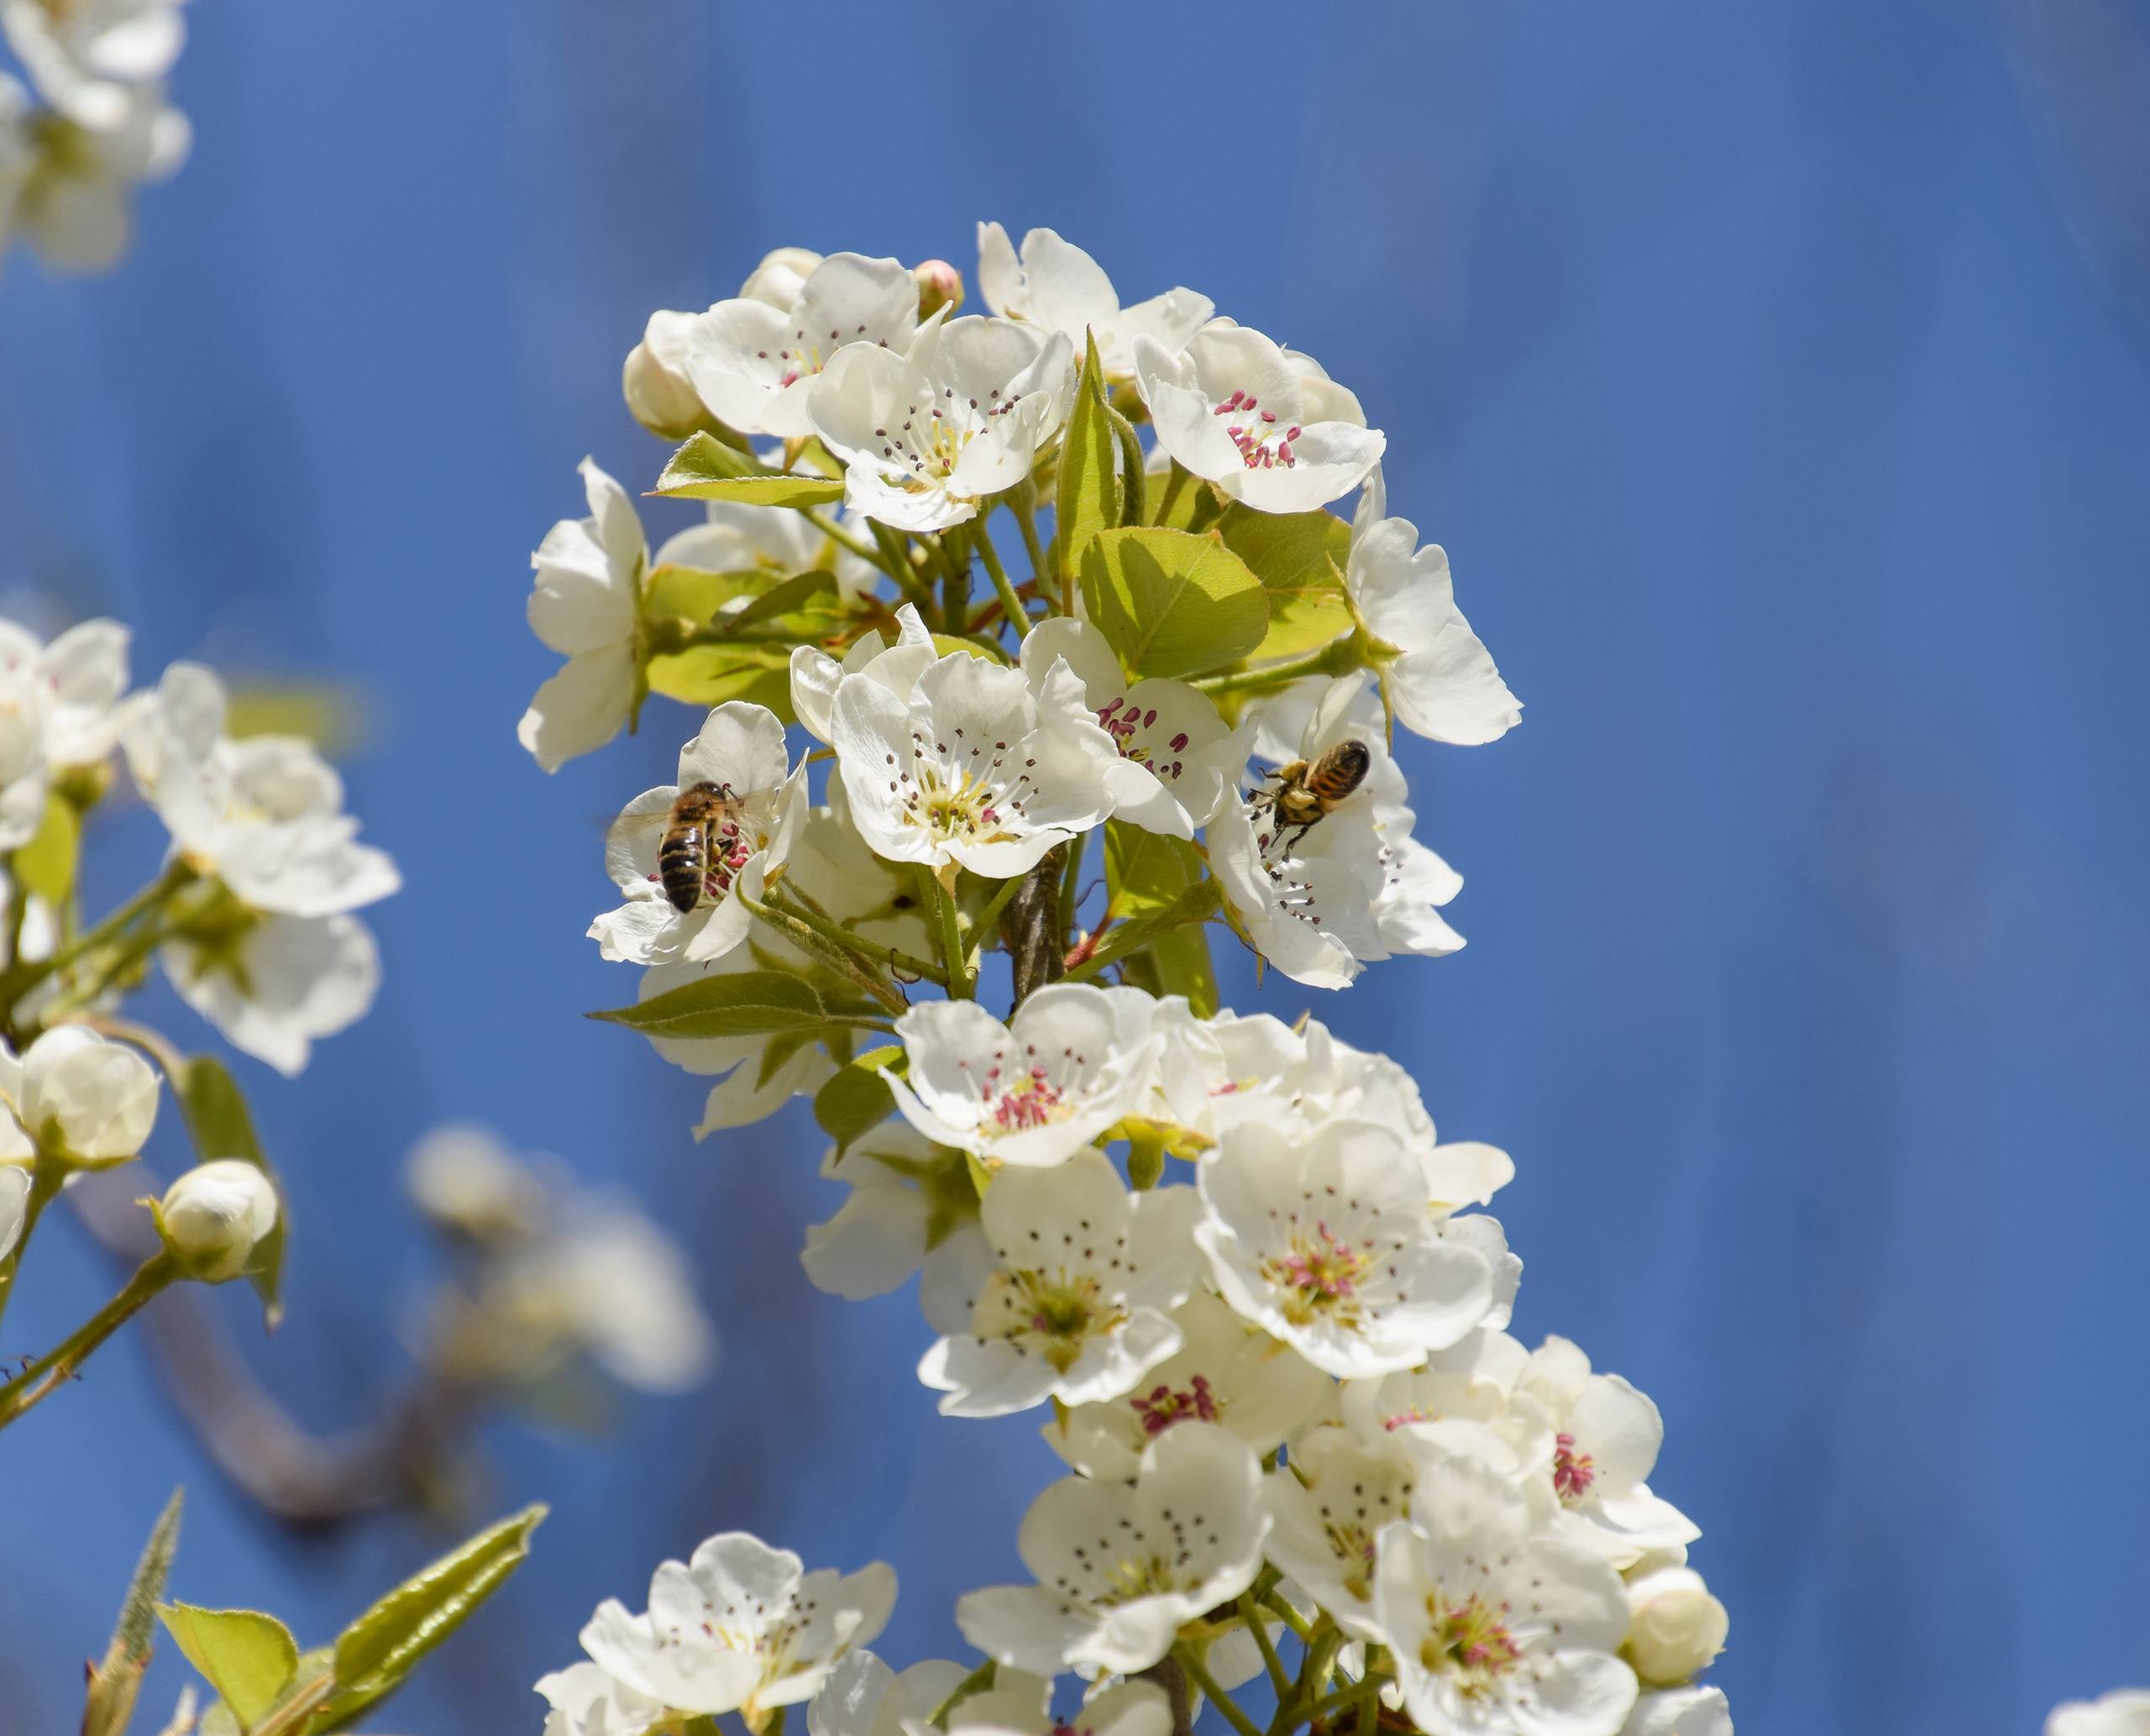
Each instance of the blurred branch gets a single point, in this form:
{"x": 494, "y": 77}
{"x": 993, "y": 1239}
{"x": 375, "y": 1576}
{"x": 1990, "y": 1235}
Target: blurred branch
{"x": 304, "y": 1480}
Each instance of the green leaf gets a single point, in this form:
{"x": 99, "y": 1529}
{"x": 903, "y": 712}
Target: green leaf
{"x": 1171, "y": 603}
{"x": 248, "y": 1658}
{"x": 734, "y": 1004}
{"x": 1183, "y": 965}
{"x": 856, "y": 1100}
{"x": 377, "y": 1650}
{"x": 218, "y": 1123}
{"x": 1297, "y": 556}
{"x": 673, "y": 592}
{"x": 1145, "y": 1163}
{"x": 1177, "y": 499}
{"x": 705, "y": 469}
{"x": 710, "y": 674}
{"x": 1088, "y": 497}
{"x": 704, "y": 458}
{"x": 115, "y": 1681}
{"x": 786, "y": 597}
{"x": 46, "y": 864}
{"x": 1145, "y": 871}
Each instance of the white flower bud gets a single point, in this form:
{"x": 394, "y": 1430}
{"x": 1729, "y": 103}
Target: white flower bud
{"x": 780, "y": 276}
{"x": 940, "y": 285}
{"x": 213, "y": 1216}
{"x": 660, "y": 394}
{"x": 465, "y": 1180}
{"x": 1674, "y": 1626}
{"x": 98, "y": 1099}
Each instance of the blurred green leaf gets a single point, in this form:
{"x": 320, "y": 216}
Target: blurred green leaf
{"x": 787, "y": 596}
{"x": 1145, "y": 871}
{"x": 248, "y": 1658}
{"x": 1297, "y": 557}
{"x": 1171, "y": 603}
{"x": 220, "y": 1126}
{"x": 1088, "y": 497}
{"x": 710, "y": 674}
{"x": 672, "y": 592}
{"x": 46, "y": 864}
{"x": 856, "y": 1098}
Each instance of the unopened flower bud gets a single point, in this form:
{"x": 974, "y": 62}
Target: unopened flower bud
{"x": 94, "y": 1099}
{"x": 940, "y": 285}
{"x": 655, "y": 382}
{"x": 780, "y": 276}
{"x": 1674, "y": 1626}
{"x": 213, "y": 1217}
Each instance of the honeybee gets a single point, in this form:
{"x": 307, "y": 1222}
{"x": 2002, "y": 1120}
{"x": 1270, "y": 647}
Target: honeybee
{"x": 1307, "y": 790}
{"x": 704, "y": 820}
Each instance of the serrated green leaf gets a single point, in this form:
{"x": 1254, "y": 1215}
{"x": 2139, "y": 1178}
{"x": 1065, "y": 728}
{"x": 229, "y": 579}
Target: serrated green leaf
{"x": 1087, "y": 498}
{"x": 248, "y": 1658}
{"x": 46, "y": 864}
{"x": 115, "y": 1681}
{"x": 734, "y": 1004}
{"x": 1171, "y": 603}
{"x": 710, "y": 674}
{"x": 672, "y": 592}
{"x": 1297, "y": 557}
{"x": 220, "y": 1126}
{"x": 377, "y": 1650}
{"x": 856, "y": 1100}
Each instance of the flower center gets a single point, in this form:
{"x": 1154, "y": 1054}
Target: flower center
{"x": 1470, "y": 1641}
{"x": 1573, "y": 1473}
{"x": 1125, "y": 1580}
{"x": 964, "y": 795}
{"x": 1164, "y": 1407}
{"x": 929, "y": 442}
{"x": 1029, "y": 1099}
{"x": 1262, "y": 444}
{"x": 1051, "y": 1313}
{"x": 1319, "y": 1275}
{"x": 1123, "y": 722}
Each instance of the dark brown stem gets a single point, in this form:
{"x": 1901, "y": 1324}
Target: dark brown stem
{"x": 1168, "y": 1675}
{"x": 1029, "y": 927}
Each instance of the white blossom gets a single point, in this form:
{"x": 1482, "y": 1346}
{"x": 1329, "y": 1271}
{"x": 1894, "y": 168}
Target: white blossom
{"x": 83, "y": 674}
{"x": 1077, "y": 1305}
{"x": 931, "y": 434}
{"x": 1020, "y": 1704}
{"x": 1175, "y": 756}
{"x": 1071, "y": 1062}
{"x": 1607, "y": 1436}
{"x": 76, "y": 1092}
{"x": 586, "y": 605}
{"x": 739, "y": 753}
{"x": 75, "y": 205}
{"x": 740, "y": 1627}
{"x": 756, "y": 361}
{"x": 85, "y": 55}
{"x": 757, "y": 1077}
{"x": 908, "y": 1197}
{"x": 1702, "y": 1712}
{"x": 213, "y": 1217}
{"x": 14, "y": 1205}
{"x": 1330, "y": 1507}
{"x": 1120, "y": 1566}
{"x": 1495, "y": 1620}
{"x": 655, "y": 379}
{"x": 1054, "y": 284}
{"x": 1435, "y": 674}
{"x": 1224, "y": 1372}
{"x": 736, "y": 538}
{"x": 465, "y": 1180}
{"x": 1675, "y": 1626}
{"x": 1326, "y": 1241}
{"x": 966, "y": 767}
{"x": 25, "y": 714}
{"x": 863, "y": 1696}
{"x": 587, "y": 1702}
{"x": 1263, "y": 424}
{"x": 2124, "y": 1712}
{"x": 274, "y": 984}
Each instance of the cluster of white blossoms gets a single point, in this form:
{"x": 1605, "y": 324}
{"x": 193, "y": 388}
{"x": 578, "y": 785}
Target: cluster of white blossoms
{"x": 86, "y": 122}
{"x": 1258, "y": 1303}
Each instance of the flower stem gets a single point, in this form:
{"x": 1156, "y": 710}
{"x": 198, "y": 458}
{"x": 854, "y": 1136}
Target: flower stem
{"x": 1023, "y": 502}
{"x": 1333, "y": 658}
{"x": 1251, "y": 1614}
{"x": 802, "y": 934}
{"x": 989, "y": 922}
{"x": 56, "y": 1366}
{"x": 19, "y": 981}
{"x": 951, "y": 937}
{"x": 891, "y": 957}
{"x": 46, "y": 1176}
{"x": 1199, "y": 1673}
{"x": 976, "y": 1682}
{"x": 1011, "y": 605}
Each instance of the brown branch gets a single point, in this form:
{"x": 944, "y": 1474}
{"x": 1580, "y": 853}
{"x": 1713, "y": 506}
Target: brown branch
{"x": 1030, "y": 926}
{"x": 1168, "y": 1675}
{"x": 303, "y": 1479}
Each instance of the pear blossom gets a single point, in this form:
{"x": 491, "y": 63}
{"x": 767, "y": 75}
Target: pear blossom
{"x": 1072, "y": 1062}
{"x": 1176, "y": 757}
{"x": 25, "y": 773}
{"x": 264, "y": 815}
{"x": 587, "y": 1702}
{"x": 1329, "y": 1508}
{"x": 1224, "y": 1372}
{"x": 908, "y": 1197}
{"x": 739, "y": 1628}
{"x": 1266, "y": 425}
{"x": 1077, "y": 1304}
{"x": 739, "y": 752}
{"x": 780, "y": 278}
{"x": 2124, "y": 1712}
{"x": 75, "y": 203}
{"x": 76, "y": 1092}
{"x": 1325, "y": 1241}
{"x": 215, "y": 1214}
{"x": 1704, "y": 1711}
{"x": 1320, "y": 902}
{"x": 1436, "y": 675}
{"x": 1675, "y": 1626}
{"x": 655, "y": 382}
{"x": 967, "y": 766}
{"x": 274, "y": 984}
{"x": 1054, "y": 284}
{"x": 465, "y": 1181}
{"x": 14, "y": 1205}
{"x": 815, "y": 675}
{"x": 736, "y": 538}
{"x": 83, "y": 57}
{"x": 756, "y": 1078}
{"x": 587, "y": 605}
{"x": 84, "y": 674}
{"x": 1607, "y": 1436}
{"x": 1120, "y": 1566}
{"x": 863, "y": 1696}
{"x": 756, "y": 362}
{"x": 931, "y": 433}
{"x": 1496, "y": 1620}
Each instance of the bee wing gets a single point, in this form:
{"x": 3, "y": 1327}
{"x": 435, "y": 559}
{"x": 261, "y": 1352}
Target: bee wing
{"x": 632, "y": 840}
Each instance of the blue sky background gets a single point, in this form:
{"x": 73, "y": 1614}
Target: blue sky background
{"x": 1775, "y": 374}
